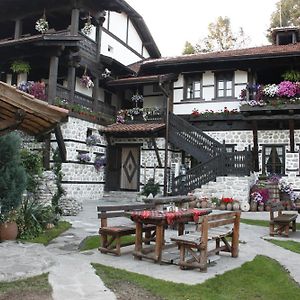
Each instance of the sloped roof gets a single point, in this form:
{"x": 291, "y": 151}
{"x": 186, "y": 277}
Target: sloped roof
{"x": 267, "y": 51}
{"x": 19, "y": 110}
{"x": 133, "y": 128}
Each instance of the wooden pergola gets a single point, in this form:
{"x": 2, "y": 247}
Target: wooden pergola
{"x": 21, "y": 111}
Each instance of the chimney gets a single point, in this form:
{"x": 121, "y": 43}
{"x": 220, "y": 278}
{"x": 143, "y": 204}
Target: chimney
{"x": 285, "y": 35}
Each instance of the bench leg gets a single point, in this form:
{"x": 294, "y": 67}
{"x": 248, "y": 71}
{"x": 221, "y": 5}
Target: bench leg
{"x": 118, "y": 245}
{"x": 294, "y": 226}
{"x": 203, "y": 257}
{"x": 103, "y": 241}
{"x": 182, "y": 256}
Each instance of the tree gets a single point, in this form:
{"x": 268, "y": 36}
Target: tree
{"x": 220, "y": 37}
{"x": 287, "y": 14}
{"x": 188, "y": 48}
{"x": 12, "y": 173}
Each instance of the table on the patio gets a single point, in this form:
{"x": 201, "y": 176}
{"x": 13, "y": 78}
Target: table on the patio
{"x": 179, "y": 200}
{"x": 161, "y": 219}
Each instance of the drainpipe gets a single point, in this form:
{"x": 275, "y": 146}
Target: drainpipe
{"x": 166, "y": 93}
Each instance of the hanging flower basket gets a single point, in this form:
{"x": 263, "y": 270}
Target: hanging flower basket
{"x": 42, "y": 25}
{"x": 87, "y": 29}
{"x": 86, "y": 81}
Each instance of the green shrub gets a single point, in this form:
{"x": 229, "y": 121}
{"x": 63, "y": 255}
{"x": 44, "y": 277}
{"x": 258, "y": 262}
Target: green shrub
{"x": 12, "y": 173}
{"x": 33, "y": 218}
{"x": 151, "y": 188}
{"x": 33, "y": 165}
{"x": 291, "y": 75}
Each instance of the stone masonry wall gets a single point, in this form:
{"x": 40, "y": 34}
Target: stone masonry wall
{"x": 80, "y": 180}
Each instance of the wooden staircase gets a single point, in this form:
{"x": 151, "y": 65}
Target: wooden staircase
{"x": 212, "y": 155}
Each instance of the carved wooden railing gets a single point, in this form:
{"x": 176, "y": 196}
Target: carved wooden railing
{"x": 235, "y": 164}
{"x": 192, "y": 140}
{"x": 88, "y": 47}
{"x": 197, "y": 176}
{"x": 85, "y": 101}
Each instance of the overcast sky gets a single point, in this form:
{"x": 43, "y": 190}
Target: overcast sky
{"x": 172, "y": 22}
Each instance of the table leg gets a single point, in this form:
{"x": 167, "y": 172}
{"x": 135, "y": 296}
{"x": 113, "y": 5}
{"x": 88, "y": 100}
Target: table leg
{"x": 159, "y": 242}
{"x": 138, "y": 239}
{"x": 180, "y": 228}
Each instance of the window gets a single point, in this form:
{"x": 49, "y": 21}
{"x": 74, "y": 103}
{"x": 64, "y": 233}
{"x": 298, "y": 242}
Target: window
{"x": 224, "y": 85}
{"x": 110, "y": 49}
{"x": 193, "y": 87}
{"x": 273, "y": 159}
{"x": 230, "y": 148}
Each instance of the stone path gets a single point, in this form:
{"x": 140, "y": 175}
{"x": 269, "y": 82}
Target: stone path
{"x": 72, "y": 277}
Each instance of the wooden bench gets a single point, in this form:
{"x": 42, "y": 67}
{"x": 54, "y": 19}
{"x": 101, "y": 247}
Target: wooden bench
{"x": 280, "y": 222}
{"x": 110, "y": 236}
{"x": 211, "y": 229}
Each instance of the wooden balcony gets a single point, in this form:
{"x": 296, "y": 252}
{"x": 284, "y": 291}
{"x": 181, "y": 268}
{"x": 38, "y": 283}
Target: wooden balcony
{"x": 86, "y": 102}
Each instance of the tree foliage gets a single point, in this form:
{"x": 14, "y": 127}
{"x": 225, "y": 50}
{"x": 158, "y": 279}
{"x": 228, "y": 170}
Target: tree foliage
{"x": 287, "y": 13}
{"x": 220, "y": 37}
{"x": 188, "y": 48}
{"x": 12, "y": 173}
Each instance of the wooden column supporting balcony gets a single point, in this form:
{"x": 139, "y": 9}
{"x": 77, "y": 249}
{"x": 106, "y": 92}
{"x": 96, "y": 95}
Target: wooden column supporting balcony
{"x": 255, "y": 146}
{"x": 292, "y": 135}
{"x": 71, "y": 82}
{"x": 74, "y": 21}
{"x": 53, "y": 70}
{"x": 18, "y": 28}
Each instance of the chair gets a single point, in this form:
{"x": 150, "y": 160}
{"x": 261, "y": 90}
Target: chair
{"x": 280, "y": 222}
{"x": 212, "y": 229}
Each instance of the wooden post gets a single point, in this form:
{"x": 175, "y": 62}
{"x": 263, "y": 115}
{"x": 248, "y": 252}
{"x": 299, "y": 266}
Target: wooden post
{"x": 95, "y": 93}
{"x": 74, "y": 21}
{"x": 255, "y": 146}
{"x": 203, "y": 245}
{"x": 71, "y": 82}
{"x": 138, "y": 239}
{"x": 159, "y": 242}
{"x": 292, "y": 135}
{"x": 53, "y": 70}
{"x": 46, "y": 152}
{"x": 235, "y": 235}
{"x": 18, "y": 28}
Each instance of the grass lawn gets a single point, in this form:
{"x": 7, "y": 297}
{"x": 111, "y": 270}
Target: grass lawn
{"x": 264, "y": 223}
{"x": 262, "y": 278}
{"x": 93, "y": 242}
{"x": 50, "y": 234}
{"x": 34, "y": 288}
{"x": 289, "y": 245}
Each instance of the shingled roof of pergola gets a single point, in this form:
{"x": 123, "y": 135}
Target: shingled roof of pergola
{"x": 19, "y": 110}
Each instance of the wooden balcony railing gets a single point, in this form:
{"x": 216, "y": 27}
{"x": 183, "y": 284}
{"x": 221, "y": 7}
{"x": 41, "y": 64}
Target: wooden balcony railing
{"x": 85, "y": 101}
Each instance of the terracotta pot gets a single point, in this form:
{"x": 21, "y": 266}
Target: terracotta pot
{"x": 261, "y": 207}
{"x": 236, "y": 206}
{"x": 203, "y": 204}
{"x": 229, "y": 206}
{"x": 253, "y": 206}
{"x": 192, "y": 204}
{"x": 8, "y": 231}
{"x": 222, "y": 206}
{"x": 267, "y": 207}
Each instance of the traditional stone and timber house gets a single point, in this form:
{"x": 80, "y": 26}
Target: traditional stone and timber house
{"x": 97, "y": 58}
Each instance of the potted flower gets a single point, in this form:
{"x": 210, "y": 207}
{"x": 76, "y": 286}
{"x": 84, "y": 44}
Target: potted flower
{"x": 91, "y": 140}
{"x": 42, "y": 25}
{"x": 228, "y": 202}
{"x": 87, "y": 29}
{"x": 83, "y": 157}
{"x": 21, "y": 68}
{"x": 100, "y": 162}
{"x": 12, "y": 184}
{"x": 86, "y": 81}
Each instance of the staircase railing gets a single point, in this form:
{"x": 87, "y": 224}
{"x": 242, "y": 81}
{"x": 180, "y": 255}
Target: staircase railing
{"x": 197, "y": 176}
{"x": 192, "y": 140}
{"x": 235, "y": 164}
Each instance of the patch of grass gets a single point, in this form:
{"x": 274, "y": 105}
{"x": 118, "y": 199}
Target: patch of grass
{"x": 48, "y": 235}
{"x": 37, "y": 285}
{"x": 263, "y": 223}
{"x": 288, "y": 245}
{"x": 262, "y": 278}
{"x": 93, "y": 242}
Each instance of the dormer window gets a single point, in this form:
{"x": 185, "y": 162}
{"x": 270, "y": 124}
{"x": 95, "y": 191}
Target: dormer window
{"x": 193, "y": 87}
{"x": 285, "y": 35}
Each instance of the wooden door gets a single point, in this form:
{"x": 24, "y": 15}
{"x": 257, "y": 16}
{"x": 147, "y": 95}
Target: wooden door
{"x": 130, "y": 168}
{"x": 113, "y": 168}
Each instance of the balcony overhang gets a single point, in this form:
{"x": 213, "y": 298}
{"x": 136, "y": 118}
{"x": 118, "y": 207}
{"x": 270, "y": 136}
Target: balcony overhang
{"x": 133, "y": 81}
{"x": 126, "y": 130}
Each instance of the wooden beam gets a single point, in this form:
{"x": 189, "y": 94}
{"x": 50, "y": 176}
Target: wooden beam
{"x": 60, "y": 143}
{"x": 255, "y": 146}
{"x": 292, "y": 135}
{"x": 156, "y": 151}
{"x": 53, "y": 71}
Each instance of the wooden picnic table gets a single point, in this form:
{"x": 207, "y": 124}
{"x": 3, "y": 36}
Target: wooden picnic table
{"x": 161, "y": 219}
